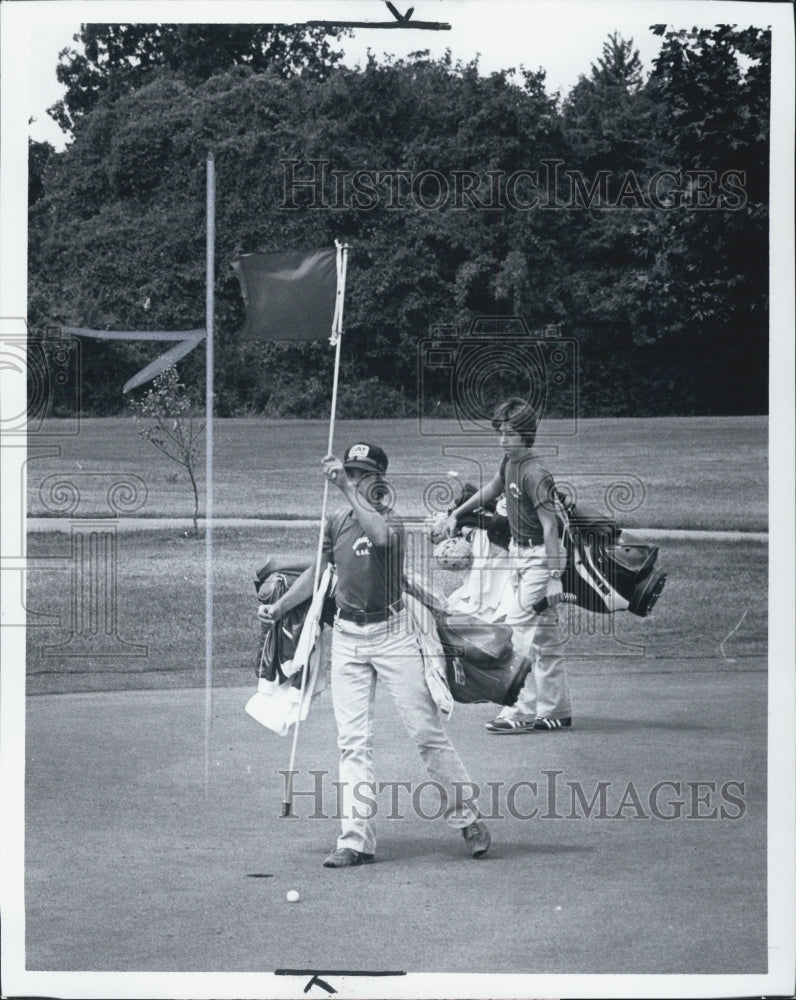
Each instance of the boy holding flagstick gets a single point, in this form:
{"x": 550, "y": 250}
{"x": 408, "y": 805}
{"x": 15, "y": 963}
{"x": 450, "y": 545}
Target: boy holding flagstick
{"x": 374, "y": 640}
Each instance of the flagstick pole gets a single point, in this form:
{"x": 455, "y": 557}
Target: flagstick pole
{"x": 209, "y": 394}
{"x": 337, "y": 335}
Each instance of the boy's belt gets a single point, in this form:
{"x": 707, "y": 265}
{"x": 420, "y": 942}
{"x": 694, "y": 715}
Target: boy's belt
{"x": 370, "y": 617}
{"x": 529, "y": 543}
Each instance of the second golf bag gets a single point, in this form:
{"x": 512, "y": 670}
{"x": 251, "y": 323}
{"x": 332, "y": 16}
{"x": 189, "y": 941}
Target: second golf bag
{"x": 603, "y": 573}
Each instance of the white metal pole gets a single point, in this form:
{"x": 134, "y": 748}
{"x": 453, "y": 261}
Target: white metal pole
{"x": 209, "y": 395}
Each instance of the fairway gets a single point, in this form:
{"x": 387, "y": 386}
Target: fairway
{"x": 669, "y": 472}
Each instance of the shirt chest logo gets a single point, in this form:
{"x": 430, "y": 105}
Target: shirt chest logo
{"x": 514, "y": 490}
{"x": 362, "y": 546}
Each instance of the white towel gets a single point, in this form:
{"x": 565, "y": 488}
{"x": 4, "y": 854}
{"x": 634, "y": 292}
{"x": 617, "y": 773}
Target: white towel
{"x": 487, "y": 592}
{"x": 275, "y": 705}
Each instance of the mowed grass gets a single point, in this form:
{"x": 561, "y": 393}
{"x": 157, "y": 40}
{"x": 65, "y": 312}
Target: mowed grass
{"x": 689, "y": 473}
{"x": 712, "y": 614}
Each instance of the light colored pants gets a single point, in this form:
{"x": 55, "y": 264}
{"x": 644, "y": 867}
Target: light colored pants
{"x": 545, "y": 694}
{"x": 387, "y": 651}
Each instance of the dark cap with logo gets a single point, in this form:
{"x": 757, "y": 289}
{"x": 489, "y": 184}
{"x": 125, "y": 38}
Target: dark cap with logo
{"x": 368, "y": 457}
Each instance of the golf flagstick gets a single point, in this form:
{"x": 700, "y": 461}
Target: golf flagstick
{"x": 335, "y": 339}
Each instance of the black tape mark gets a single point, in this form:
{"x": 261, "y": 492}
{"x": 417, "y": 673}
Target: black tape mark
{"x": 317, "y": 981}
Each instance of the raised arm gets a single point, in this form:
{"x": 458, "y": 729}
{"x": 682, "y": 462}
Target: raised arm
{"x": 372, "y": 522}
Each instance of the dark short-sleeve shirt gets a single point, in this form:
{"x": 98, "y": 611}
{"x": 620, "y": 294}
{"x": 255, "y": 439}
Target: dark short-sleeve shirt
{"x": 368, "y": 575}
{"x": 527, "y": 486}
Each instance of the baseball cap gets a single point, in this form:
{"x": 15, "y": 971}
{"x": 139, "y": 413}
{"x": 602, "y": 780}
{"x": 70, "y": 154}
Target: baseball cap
{"x": 365, "y": 456}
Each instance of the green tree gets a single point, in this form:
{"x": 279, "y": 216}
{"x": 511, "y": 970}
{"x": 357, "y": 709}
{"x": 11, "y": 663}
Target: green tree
{"x": 664, "y": 302}
{"x": 166, "y": 411}
{"x": 709, "y": 276}
{"x": 669, "y": 300}
{"x": 619, "y": 65}
{"x": 39, "y": 155}
{"x": 126, "y": 205}
{"x": 606, "y": 115}
{"x": 118, "y": 58}
{"x": 608, "y": 124}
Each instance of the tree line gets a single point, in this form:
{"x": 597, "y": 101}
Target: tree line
{"x": 628, "y": 216}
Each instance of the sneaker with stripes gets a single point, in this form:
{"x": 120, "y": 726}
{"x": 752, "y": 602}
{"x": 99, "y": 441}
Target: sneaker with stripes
{"x": 548, "y": 725}
{"x": 508, "y": 725}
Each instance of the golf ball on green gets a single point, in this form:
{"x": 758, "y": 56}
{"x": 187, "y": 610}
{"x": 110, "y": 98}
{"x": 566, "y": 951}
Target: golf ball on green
{"x": 293, "y": 896}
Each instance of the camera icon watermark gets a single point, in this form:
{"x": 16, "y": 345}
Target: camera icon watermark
{"x": 48, "y": 364}
{"x": 464, "y": 373}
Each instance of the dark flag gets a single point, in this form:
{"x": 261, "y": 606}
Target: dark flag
{"x": 288, "y": 294}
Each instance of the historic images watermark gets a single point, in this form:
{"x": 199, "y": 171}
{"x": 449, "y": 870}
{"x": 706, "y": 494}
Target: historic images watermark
{"x": 553, "y": 796}
{"x": 318, "y": 184}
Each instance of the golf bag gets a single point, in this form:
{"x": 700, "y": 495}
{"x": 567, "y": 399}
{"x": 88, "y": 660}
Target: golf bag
{"x": 480, "y": 661}
{"x": 277, "y": 645}
{"x": 603, "y": 574}
{"x": 481, "y": 664}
